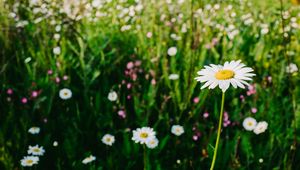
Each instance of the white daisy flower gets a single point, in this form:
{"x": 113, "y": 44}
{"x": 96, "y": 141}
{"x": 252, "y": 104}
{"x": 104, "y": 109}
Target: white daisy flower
{"x": 108, "y": 139}
{"x": 172, "y": 51}
{"x": 261, "y": 127}
{"x": 112, "y": 96}
{"x": 34, "y": 130}
{"x": 249, "y": 123}
{"x": 65, "y": 94}
{"x": 36, "y": 150}
{"x": 234, "y": 73}
{"x": 29, "y": 160}
{"x": 55, "y": 143}
{"x": 291, "y": 68}
{"x": 173, "y": 76}
{"x": 177, "y": 130}
{"x": 89, "y": 159}
{"x": 153, "y": 143}
{"x": 143, "y": 135}
{"x": 56, "y": 50}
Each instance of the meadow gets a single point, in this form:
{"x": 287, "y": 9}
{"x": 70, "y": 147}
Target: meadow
{"x": 85, "y": 83}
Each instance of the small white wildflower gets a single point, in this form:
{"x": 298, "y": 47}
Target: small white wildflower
{"x": 112, "y": 96}
{"x": 153, "y": 143}
{"x": 56, "y": 50}
{"x": 261, "y": 127}
{"x": 177, "y": 130}
{"x": 249, "y": 123}
{"x": 172, "y": 51}
{"x": 34, "y": 130}
{"x": 65, "y": 94}
{"x": 173, "y": 76}
{"x": 108, "y": 139}
{"x": 89, "y": 159}
{"x": 36, "y": 150}
{"x": 29, "y": 160}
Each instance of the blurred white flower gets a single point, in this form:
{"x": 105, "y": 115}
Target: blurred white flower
{"x": 112, "y": 96}
{"x": 108, "y": 139}
{"x": 291, "y": 68}
{"x": 177, "y": 130}
{"x": 36, "y": 150}
{"x": 249, "y": 123}
{"x": 233, "y": 72}
{"x": 56, "y": 50}
{"x": 34, "y": 130}
{"x": 56, "y": 36}
{"x": 65, "y": 93}
{"x": 89, "y": 159}
{"x": 172, "y": 51}
{"x": 57, "y": 28}
{"x": 143, "y": 135}
{"x": 153, "y": 143}
{"x": 260, "y": 127}
{"x": 27, "y": 60}
{"x": 29, "y": 160}
{"x": 55, "y": 143}
{"x": 173, "y": 76}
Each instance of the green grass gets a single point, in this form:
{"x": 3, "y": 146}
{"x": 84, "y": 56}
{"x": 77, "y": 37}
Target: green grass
{"x": 94, "y": 56}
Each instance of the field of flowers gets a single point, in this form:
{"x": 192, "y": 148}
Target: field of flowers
{"x": 149, "y": 84}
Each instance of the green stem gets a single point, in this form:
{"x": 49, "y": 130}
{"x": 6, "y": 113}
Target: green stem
{"x": 145, "y": 158}
{"x": 219, "y": 133}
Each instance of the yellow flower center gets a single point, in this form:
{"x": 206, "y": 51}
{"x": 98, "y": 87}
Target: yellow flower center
{"x": 29, "y": 161}
{"x": 107, "y": 139}
{"x": 65, "y": 93}
{"x": 36, "y": 150}
{"x": 249, "y": 123}
{"x": 224, "y": 74}
{"x": 144, "y": 135}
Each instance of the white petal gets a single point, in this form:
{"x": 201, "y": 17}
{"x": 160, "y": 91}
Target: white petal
{"x": 206, "y": 84}
{"x": 233, "y": 83}
{"x": 238, "y": 83}
{"x": 213, "y": 85}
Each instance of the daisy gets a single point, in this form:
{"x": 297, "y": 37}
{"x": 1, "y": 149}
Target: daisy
{"x": 34, "y": 130}
{"x": 89, "y": 159}
{"x": 249, "y": 123}
{"x": 153, "y": 143}
{"x": 173, "y": 76}
{"x": 29, "y": 160}
{"x": 65, "y": 94}
{"x": 56, "y": 50}
{"x": 112, "y": 96}
{"x": 172, "y": 51}
{"x": 291, "y": 68}
{"x": 234, "y": 73}
{"x": 36, "y": 150}
{"x": 143, "y": 135}
{"x": 177, "y": 130}
{"x": 261, "y": 127}
{"x": 108, "y": 139}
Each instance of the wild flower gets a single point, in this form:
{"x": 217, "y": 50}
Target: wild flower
{"x": 89, "y": 159}
{"x": 29, "y": 161}
{"x": 234, "y": 73}
{"x": 112, "y": 96}
{"x": 65, "y": 94}
{"x": 249, "y": 123}
{"x": 108, "y": 139}
{"x": 177, "y": 130}
{"x": 143, "y": 135}
{"x": 34, "y": 130}
{"x": 36, "y": 150}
